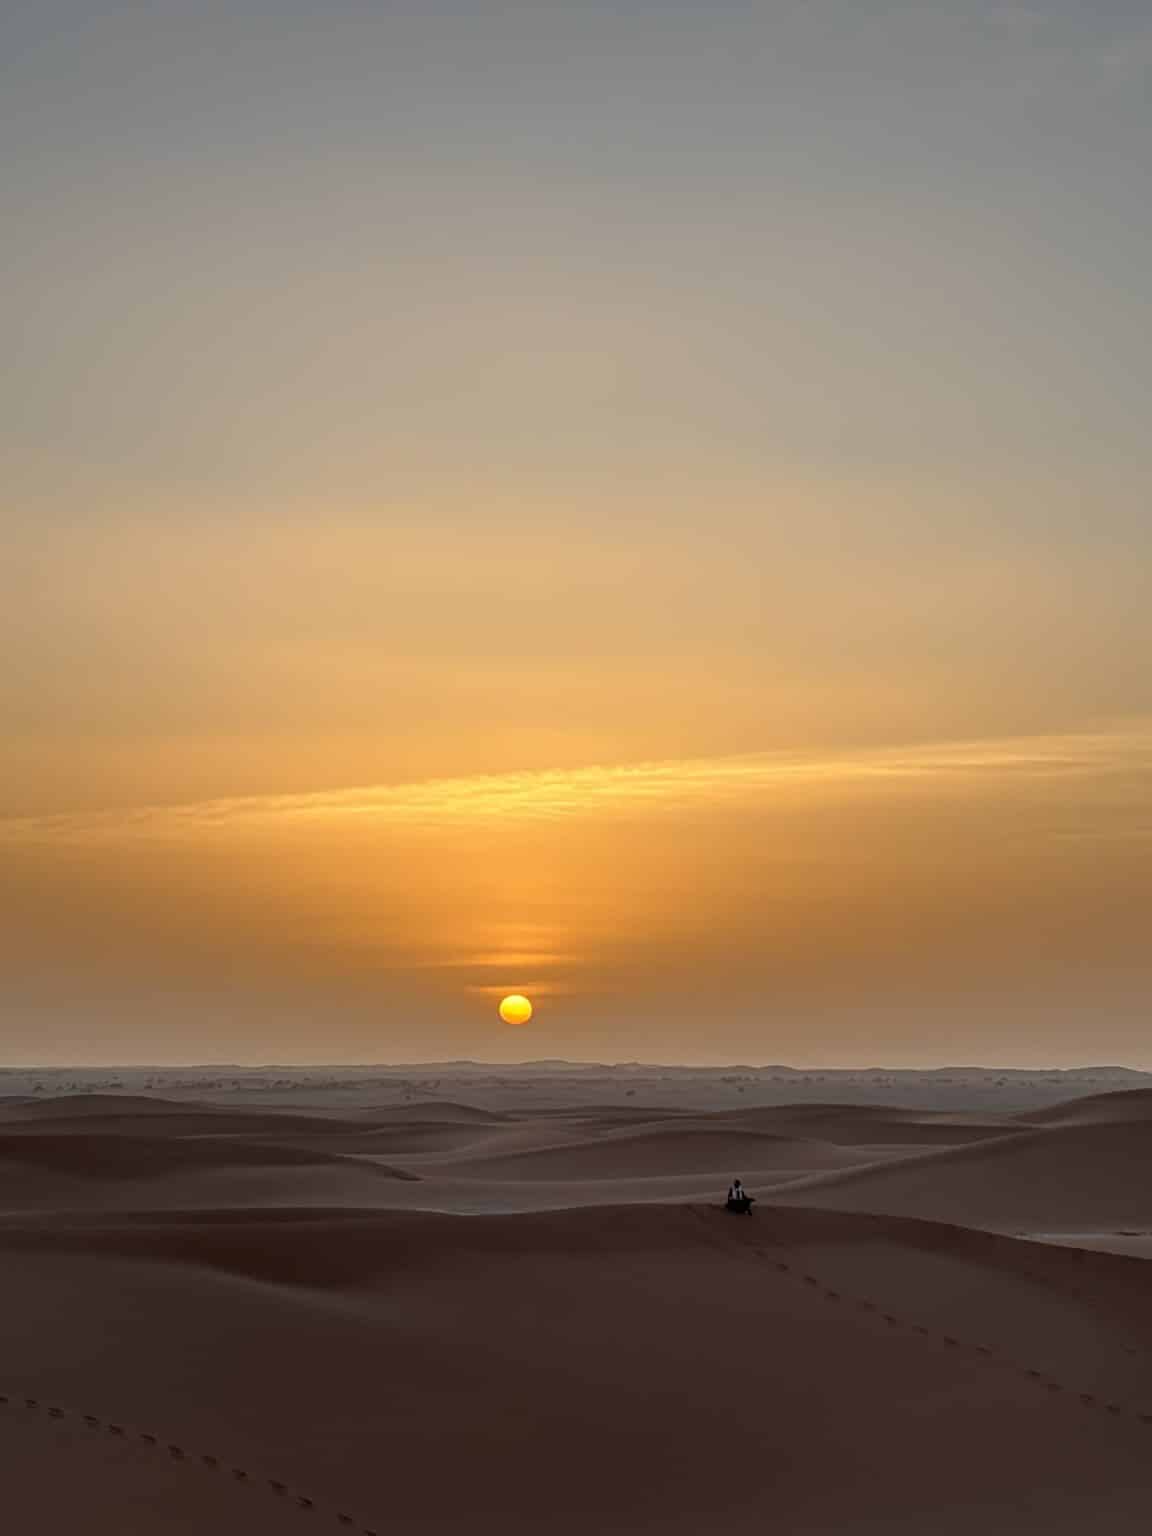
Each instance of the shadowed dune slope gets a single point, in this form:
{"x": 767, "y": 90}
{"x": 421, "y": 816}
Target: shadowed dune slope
{"x": 438, "y": 1112}
{"x": 77, "y": 1169}
{"x": 150, "y": 1157}
{"x": 356, "y": 1248}
{"x": 78, "y": 1106}
{"x": 602, "y": 1370}
{"x": 64, "y": 1476}
{"x": 322, "y": 1140}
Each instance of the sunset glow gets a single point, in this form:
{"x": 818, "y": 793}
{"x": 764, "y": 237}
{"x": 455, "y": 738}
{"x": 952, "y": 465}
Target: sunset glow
{"x": 635, "y": 504}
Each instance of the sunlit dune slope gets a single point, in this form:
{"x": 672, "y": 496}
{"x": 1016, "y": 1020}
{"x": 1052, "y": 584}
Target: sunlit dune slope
{"x": 869, "y": 1125}
{"x": 1131, "y": 1104}
{"x": 1081, "y": 1175}
{"x": 661, "y": 1151}
{"x": 111, "y": 1110}
{"x": 78, "y": 1133}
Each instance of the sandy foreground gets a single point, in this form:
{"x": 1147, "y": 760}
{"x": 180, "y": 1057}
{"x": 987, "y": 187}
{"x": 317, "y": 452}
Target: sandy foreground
{"x": 423, "y": 1313}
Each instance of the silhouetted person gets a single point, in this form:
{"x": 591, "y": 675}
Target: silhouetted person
{"x": 737, "y": 1200}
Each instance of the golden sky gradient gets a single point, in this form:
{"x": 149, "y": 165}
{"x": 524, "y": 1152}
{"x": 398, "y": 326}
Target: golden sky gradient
{"x": 708, "y": 909}
{"x": 689, "y": 462}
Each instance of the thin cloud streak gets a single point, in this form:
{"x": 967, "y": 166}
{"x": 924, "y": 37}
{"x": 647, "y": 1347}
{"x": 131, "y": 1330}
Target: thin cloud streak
{"x": 637, "y": 788}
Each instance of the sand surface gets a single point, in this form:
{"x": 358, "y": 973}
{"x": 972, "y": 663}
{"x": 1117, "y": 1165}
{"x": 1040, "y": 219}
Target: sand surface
{"x": 381, "y": 1310}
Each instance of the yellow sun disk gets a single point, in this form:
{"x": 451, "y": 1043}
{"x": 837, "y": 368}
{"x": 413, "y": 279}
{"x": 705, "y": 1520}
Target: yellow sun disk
{"x": 515, "y": 1009}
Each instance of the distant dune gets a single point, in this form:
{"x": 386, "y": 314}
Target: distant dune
{"x": 122, "y": 1156}
{"x": 872, "y": 1125}
{"x": 441, "y": 1113}
{"x": 82, "y": 1106}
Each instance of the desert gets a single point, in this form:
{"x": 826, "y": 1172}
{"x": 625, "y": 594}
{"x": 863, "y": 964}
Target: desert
{"x": 576, "y": 768}
{"x": 516, "y": 1301}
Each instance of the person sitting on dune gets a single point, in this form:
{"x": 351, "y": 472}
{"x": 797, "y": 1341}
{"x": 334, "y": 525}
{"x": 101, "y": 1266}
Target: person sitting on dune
{"x": 737, "y": 1199}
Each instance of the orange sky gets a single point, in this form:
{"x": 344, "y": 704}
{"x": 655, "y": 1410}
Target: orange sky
{"x": 689, "y": 463}
{"x": 977, "y": 901}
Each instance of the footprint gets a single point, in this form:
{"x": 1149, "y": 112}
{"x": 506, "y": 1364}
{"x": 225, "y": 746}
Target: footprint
{"x": 178, "y": 1453}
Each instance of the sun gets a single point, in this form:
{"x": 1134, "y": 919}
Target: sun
{"x": 515, "y": 1009}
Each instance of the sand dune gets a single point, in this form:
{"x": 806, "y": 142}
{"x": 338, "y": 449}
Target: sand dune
{"x": 607, "y": 1367}
{"x": 871, "y": 1125}
{"x": 1095, "y": 1174}
{"x": 77, "y": 1169}
{"x": 438, "y": 1112}
{"x": 183, "y": 1120}
{"x": 662, "y": 1151}
{"x": 122, "y": 1156}
{"x": 1097, "y": 1109}
{"x": 82, "y": 1106}
{"x": 230, "y": 1319}
{"x": 299, "y": 1137}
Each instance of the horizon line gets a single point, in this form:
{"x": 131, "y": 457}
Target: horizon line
{"x": 553, "y": 1061}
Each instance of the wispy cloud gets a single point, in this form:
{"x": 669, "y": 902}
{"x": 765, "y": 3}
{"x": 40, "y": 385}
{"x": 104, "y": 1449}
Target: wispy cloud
{"x": 624, "y": 789}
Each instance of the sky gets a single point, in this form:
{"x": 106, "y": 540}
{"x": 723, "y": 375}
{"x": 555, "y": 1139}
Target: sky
{"x": 644, "y": 504}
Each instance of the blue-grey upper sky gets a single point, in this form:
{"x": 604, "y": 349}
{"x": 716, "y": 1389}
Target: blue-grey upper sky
{"x": 575, "y": 238}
